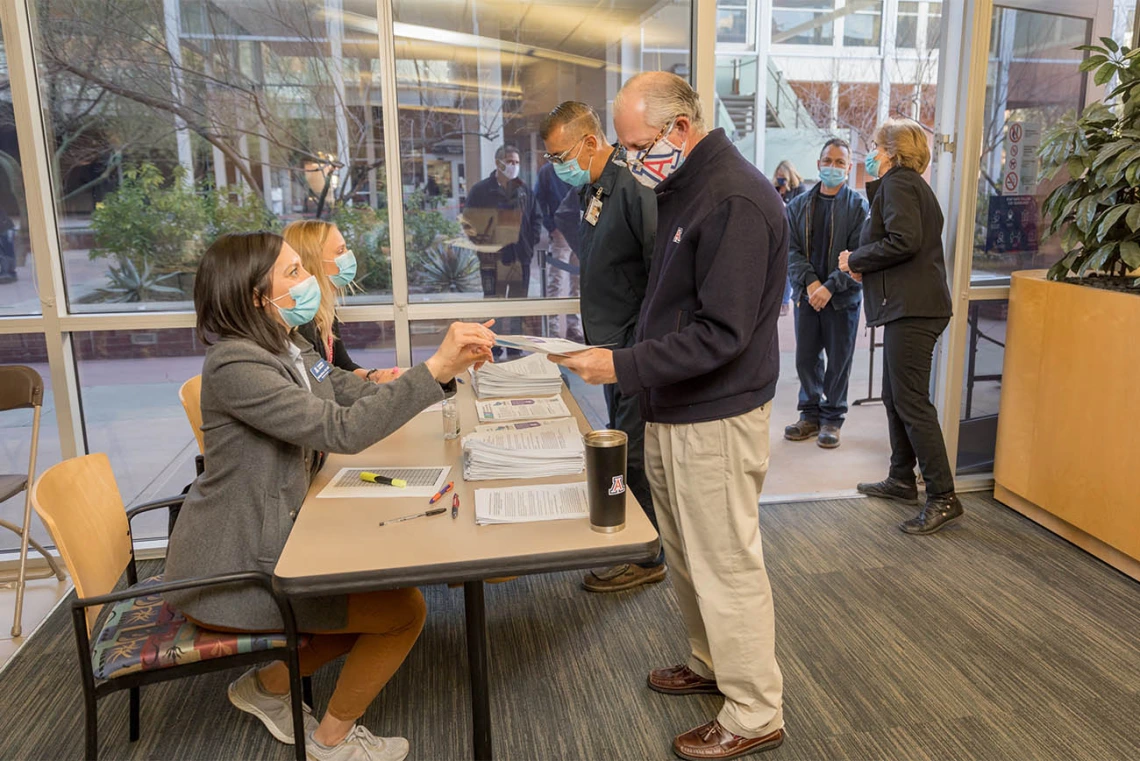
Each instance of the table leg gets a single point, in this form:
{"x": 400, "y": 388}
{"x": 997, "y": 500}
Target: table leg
{"x": 477, "y": 665}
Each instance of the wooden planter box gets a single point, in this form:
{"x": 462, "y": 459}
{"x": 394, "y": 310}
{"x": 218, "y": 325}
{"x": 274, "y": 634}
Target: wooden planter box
{"x": 1068, "y": 445}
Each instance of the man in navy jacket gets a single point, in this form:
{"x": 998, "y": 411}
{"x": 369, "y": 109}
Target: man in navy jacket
{"x": 705, "y": 363}
{"x": 825, "y": 221}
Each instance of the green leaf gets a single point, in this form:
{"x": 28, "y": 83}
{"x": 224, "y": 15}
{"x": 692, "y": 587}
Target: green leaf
{"x": 1092, "y": 62}
{"x": 1091, "y": 48}
{"x": 1111, "y": 150}
{"x": 1130, "y": 253}
{"x": 1133, "y": 218}
{"x": 1111, "y": 44}
{"x": 1104, "y": 74}
{"x": 1076, "y": 167}
{"x": 1098, "y": 259}
{"x": 1070, "y": 237}
{"x": 1086, "y": 213}
{"x": 1111, "y": 217}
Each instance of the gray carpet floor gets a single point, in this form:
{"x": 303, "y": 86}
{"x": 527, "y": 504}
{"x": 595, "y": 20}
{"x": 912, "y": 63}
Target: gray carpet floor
{"x": 991, "y": 640}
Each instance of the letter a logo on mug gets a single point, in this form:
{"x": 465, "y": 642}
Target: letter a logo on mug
{"x": 617, "y": 487}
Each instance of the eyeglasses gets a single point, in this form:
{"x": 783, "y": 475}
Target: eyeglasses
{"x": 636, "y": 158}
{"x": 560, "y": 158}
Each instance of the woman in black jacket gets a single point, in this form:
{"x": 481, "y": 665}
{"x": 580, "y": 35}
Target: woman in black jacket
{"x": 325, "y": 254}
{"x": 900, "y": 263}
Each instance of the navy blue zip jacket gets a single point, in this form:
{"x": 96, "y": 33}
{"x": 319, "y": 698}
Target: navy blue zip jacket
{"x": 849, "y": 214}
{"x": 707, "y": 347}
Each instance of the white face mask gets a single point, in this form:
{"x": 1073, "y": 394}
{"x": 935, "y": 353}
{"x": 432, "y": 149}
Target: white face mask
{"x": 510, "y": 171}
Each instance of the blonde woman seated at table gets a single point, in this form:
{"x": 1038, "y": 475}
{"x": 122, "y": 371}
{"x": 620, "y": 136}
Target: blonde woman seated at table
{"x": 271, "y": 409}
{"x": 326, "y": 255}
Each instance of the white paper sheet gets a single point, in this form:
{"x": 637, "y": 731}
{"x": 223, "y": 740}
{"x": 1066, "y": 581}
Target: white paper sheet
{"x": 524, "y": 450}
{"x": 526, "y": 504}
{"x": 541, "y": 344}
{"x": 422, "y": 482}
{"x": 527, "y": 408}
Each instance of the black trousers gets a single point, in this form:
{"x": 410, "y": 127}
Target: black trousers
{"x": 908, "y": 349}
{"x": 625, "y": 415}
{"x": 829, "y": 332}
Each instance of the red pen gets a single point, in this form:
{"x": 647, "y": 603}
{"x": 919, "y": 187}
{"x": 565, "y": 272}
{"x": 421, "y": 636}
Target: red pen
{"x": 454, "y": 506}
{"x": 439, "y": 494}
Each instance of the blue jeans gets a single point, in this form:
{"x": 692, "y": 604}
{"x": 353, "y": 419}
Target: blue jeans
{"x": 788, "y": 292}
{"x": 828, "y": 333}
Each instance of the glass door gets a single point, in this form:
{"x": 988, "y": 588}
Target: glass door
{"x": 1032, "y": 78}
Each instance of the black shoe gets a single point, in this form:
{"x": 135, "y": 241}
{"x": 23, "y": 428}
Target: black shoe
{"x": 891, "y": 488}
{"x": 939, "y": 511}
{"x": 828, "y": 436}
{"x": 801, "y": 430}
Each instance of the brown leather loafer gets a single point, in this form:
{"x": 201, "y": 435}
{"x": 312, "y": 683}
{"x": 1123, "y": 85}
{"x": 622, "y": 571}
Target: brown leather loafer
{"x": 681, "y": 680}
{"x": 712, "y": 741}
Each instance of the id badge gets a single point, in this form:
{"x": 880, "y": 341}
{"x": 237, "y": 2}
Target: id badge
{"x": 593, "y": 210}
{"x": 320, "y": 370}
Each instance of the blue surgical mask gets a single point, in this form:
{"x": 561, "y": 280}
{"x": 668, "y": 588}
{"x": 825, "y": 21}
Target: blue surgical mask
{"x": 651, "y": 166}
{"x": 872, "y": 164}
{"x": 345, "y": 269}
{"x": 572, "y": 174}
{"x": 307, "y": 300}
{"x": 832, "y": 176}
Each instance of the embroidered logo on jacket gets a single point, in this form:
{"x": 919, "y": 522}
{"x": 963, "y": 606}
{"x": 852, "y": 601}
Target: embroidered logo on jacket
{"x": 677, "y": 235}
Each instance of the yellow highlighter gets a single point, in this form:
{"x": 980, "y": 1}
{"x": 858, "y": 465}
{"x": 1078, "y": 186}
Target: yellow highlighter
{"x": 376, "y": 478}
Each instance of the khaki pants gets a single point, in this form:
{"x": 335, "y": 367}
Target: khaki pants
{"x": 706, "y": 480}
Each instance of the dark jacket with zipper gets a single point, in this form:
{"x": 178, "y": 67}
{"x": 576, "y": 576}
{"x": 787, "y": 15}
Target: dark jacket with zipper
{"x": 849, "y": 212}
{"x": 900, "y": 255}
{"x": 614, "y": 254}
{"x": 707, "y": 347}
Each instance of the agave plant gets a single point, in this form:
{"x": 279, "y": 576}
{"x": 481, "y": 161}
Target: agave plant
{"x": 129, "y": 285}
{"x": 1097, "y": 211}
{"x": 448, "y": 269}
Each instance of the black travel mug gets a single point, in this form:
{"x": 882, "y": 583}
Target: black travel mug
{"x": 605, "y": 479}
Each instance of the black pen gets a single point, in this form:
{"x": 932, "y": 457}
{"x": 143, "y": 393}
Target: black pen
{"x": 425, "y": 514}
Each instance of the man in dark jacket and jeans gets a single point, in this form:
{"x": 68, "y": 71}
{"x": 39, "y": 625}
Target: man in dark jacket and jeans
{"x": 705, "y": 363}
{"x": 824, "y": 221}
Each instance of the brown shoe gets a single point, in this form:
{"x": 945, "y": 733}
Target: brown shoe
{"x": 712, "y": 741}
{"x": 622, "y": 577}
{"x": 681, "y": 680}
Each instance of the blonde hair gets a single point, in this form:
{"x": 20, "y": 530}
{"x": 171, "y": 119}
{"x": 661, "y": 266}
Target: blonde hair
{"x": 904, "y": 142}
{"x": 794, "y": 177}
{"x": 308, "y": 237}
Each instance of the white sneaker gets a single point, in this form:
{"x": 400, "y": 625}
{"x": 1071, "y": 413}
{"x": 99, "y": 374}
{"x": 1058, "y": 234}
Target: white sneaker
{"x": 359, "y": 745}
{"x": 275, "y": 711}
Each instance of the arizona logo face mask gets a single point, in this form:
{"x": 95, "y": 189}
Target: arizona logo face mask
{"x": 651, "y": 166}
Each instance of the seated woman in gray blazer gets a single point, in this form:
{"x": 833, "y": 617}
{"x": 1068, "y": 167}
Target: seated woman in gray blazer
{"x": 271, "y": 409}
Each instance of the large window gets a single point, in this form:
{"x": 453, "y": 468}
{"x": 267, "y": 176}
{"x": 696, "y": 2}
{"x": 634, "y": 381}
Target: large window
{"x": 863, "y": 24}
{"x": 474, "y": 83}
{"x": 18, "y": 294}
{"x": 174, "y": 122}
{"x": 803, "y": 22}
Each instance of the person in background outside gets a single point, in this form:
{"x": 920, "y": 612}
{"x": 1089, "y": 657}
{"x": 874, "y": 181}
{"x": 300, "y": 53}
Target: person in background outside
{"x": 824, "y": 221}
{"x": 790, "y": 185}
{"x": 506, "y": 274}
{"x": 271, "y": 406}
{"x": 616, "y": 221}
{"x": 705, "y": 363}
{"x": 7, "y": 249}
{"x": 549, "y": 192}
{"x": 325, "y": 254}
{"x": 901, "y": 264}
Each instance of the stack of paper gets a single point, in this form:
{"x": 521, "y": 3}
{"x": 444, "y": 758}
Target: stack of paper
{"x": 533, "y": 375}
{"x": 524, "y": 504}
{"x": 522, "y": 409}
{"x": 553, "y": 448}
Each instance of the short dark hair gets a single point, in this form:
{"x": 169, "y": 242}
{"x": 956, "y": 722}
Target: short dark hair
{"x": 235, "y": 270}
{"x": 836, "y": 141}
{"x": 502, "y": 151}
{"x": 571, "y": 113}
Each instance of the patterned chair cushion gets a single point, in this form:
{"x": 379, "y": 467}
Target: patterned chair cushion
{"x": 146, "y": 634}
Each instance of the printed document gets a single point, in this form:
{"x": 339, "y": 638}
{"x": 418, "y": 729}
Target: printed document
{"x": 541, "y": 345}
{"x": 422, "y": 482}
{"x": 528, "y": 408}
{"x": 525, "y": 504}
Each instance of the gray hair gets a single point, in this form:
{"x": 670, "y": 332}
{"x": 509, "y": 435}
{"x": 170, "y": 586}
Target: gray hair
{"x": 666, "y": 96}
{"x": 503, "y": 150}
{"x": 574, "y": 116}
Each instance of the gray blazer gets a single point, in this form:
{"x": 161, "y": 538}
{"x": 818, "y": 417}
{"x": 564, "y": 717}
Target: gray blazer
{"x": 264, "y": 433}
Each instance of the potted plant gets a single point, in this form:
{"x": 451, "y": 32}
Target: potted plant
{"x": 1097, "y": 211}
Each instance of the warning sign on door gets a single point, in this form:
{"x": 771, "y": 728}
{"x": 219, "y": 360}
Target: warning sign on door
{"x": 1019, "y": 172}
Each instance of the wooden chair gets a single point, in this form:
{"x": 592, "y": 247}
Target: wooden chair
{"x": 22, "y": 388}
{"x": 141, "y": 640}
